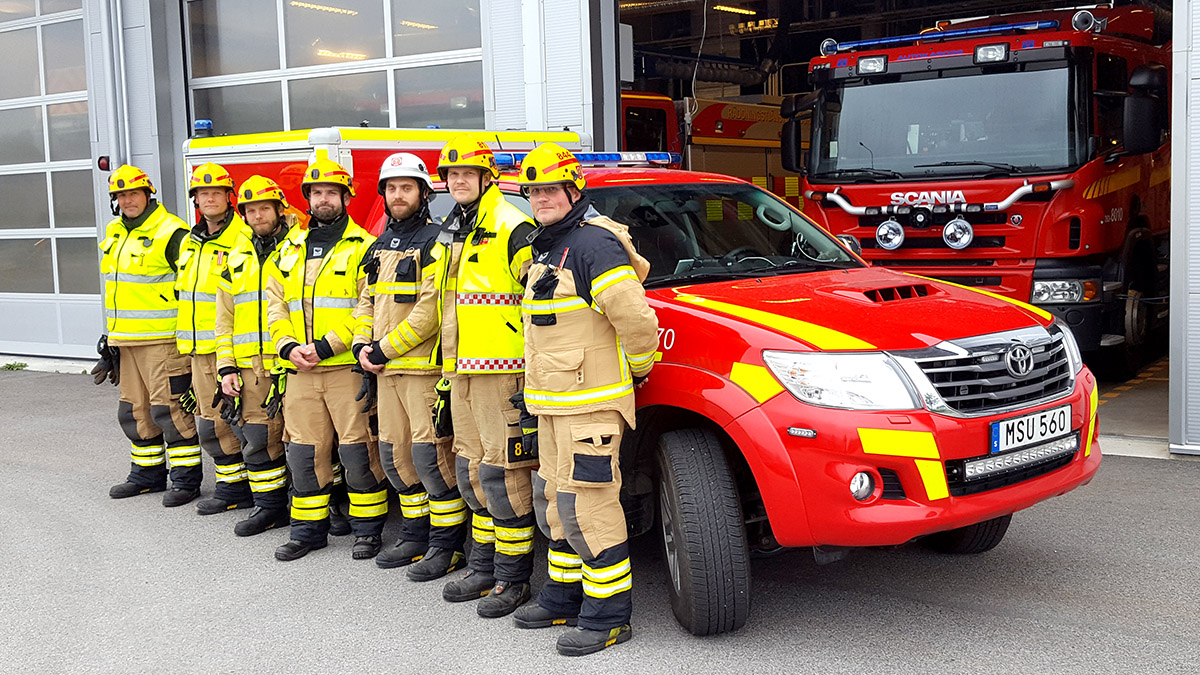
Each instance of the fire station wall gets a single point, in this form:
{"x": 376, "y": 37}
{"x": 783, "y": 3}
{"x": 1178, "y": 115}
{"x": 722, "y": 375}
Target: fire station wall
{"x": 1185, "y": 234}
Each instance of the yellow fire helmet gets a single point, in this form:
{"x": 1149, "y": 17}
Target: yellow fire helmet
{"x": 129, "y": 177}
{"x": 550, "y": 163}
{"x": 326, "y": 171}
{"x": 209, "y": 175}
{"x": 259, "y": 189}
{"x": 466, "y": 150}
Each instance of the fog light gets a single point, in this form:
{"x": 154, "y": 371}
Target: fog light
{"x": 958, "y": 234}
{"x": 862, "y": 485}
{"x": 889, "y": 235}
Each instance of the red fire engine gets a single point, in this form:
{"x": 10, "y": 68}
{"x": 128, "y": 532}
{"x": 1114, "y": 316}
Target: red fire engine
{"x": 1024, "y": 154}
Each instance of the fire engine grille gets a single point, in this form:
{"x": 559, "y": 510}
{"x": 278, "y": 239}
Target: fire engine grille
{"x": 892, "y": 487}
{"x": 980, "y": 382}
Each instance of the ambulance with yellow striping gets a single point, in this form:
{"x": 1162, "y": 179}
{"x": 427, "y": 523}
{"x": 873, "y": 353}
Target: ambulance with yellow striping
{"x": 801, "y": 398}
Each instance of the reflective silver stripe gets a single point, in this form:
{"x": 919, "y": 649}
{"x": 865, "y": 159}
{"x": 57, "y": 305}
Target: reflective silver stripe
{"x": 127, "y": 278}
{"x": 334, "y": 303}
{"x": 140, "y": 336}
{"x": 189, "y": 296}
{"x": 196, "y": 336}
{"x": 144, "y": 313}
{"x": 295, "y": 305}
{"x": 248, "y": 296}
{"x": 251, "y": 338}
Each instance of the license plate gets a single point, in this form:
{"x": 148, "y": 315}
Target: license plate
{"x": 1017, "y": 432}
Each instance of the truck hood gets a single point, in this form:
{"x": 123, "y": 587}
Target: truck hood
{"x": 857, "y": 309}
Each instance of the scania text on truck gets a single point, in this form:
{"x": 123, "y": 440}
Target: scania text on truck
{"x": 1023, "y": 154}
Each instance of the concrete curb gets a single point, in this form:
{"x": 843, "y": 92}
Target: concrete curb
{"x": 41, "y": 364}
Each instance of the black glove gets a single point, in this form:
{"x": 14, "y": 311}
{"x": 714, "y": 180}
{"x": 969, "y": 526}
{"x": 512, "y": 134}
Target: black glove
{"x": 109, "y": 365}
{"x": 529, "y": 429}
{"x": 368, "y": 393}
{"x": 443, "y": 426}
{"x": 230, "y": 407}
{"x": 273, "y": 403}
{"x": 187, "y": 402}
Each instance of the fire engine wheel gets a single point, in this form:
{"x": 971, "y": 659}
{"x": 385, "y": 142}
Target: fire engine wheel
{"x": 703, "y": 535}
{"x": 971, "y": 539}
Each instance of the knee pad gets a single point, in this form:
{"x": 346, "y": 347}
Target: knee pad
{"x": 389, "y": 464}
{"x": 425, "y": 458}
{"x": 127, "y": 421}
{"x": 254, "y": 443}
{"x": 491, "y": 480}
{"x": 462, "y": 469}
{"x": 161, "y": 415}
{"x": 540, "y": 504}
{"x": 356, "y": 466}
{"x": 570, "y": 524}
{"x": 301, "y": 460}
{"x": 207, "y": 431}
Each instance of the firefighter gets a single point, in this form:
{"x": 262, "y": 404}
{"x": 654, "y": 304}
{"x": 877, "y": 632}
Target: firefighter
{"x": 590, "y": 338}
{"x": 139, "y": 262}
{"x": 246, "y": 354}
{"x": 483, "y": 357}
{"x": 203, "y": 258}
{"x": 401, "y": 344}
{"x": 313, "y": 286}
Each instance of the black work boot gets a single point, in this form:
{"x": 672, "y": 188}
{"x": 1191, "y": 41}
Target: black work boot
{"x": 339, "y": 526}
{"x": 128, "y": 489}
{"x": 207, "y": 507}
{"x": 179, "y": 496}
{"x": 403, "y": 553}
{"x": 366, "y": 547}
{"x": 294, "y": 550}
{"x": 437, "y": 563}
{"x": 260, "y": 520}
{"x": 582, "y": 641}
{"x": 534, "y": 615}
{"x": 505, "y": 597}
{"x": 471, "y": 586}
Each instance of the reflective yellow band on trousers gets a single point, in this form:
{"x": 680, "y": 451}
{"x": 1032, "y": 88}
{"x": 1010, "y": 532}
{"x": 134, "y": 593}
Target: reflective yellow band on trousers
{"x": 368, "y": 504}
{"x": 310, "y": 508}
{"x": 514, "y": 540}
{"x": 482, "y": 529}
{"x": 447, "y": 513}
{"x": 187, "y": 455}
{"x": 606, "y": 582}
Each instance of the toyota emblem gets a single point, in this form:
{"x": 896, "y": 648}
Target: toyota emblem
{"x": 1019, "y": 361}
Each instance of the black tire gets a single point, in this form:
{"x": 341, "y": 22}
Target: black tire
{"x": 702, "y": 533}
{"x": 971, "y": 539}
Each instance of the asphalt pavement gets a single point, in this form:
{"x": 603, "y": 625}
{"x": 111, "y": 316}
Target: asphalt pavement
{"x": 1101, "y": 580}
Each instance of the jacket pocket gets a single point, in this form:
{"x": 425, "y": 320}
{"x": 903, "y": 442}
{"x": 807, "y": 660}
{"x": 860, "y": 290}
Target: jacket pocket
{"x": 594, "y": 454}
{"x": 558, "y": 371}
{"x": 406, "y": 281}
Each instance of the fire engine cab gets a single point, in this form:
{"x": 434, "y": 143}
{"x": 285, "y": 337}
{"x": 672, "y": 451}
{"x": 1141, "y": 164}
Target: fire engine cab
{"x": 800, "y": 398}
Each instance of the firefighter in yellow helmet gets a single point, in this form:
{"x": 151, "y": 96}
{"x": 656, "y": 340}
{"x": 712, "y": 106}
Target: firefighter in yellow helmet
{"x": 585, "y": 312}
{"x": 483, "y": 359}
{"x": 314, "y": 282}
{"x": 406, "y": 271}
{"x": 203, "y": 259}
{"x": 246, "y": 355}
{"x": 139, "y": 262}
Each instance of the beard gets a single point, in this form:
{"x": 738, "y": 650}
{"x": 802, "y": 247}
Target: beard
{"x": 327, "y": 213}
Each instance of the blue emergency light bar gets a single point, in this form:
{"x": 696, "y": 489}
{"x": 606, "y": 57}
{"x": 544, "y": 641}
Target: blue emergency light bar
{"x": 509, "y": 160}
{"x": 831, "y": 46}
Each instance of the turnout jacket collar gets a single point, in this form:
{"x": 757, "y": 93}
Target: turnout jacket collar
{"x": 134, "y": 223}
{"x": 548, "y": 236}
{"x": 265, "y": 246}
{"x": 200, "y": 232}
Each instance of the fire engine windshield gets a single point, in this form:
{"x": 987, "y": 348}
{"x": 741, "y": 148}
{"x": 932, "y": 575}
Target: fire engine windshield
{"x": 912, "y": 129}
{"x": 697, "y": 232}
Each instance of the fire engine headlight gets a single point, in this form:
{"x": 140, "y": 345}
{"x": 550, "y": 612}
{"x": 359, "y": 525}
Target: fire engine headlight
{"x": 1059, "y": 291}
{"x": 872, "y": 65}
{"x": 958, "y": 234}
{"x": 870, "y": 381}
{"x": 862, "y": 485}
{"x": 991, "y": 53}
{"x": 889, "y": 235}
{"x": 1074, "y": 356}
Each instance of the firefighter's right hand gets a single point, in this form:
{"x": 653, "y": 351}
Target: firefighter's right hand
{"x": 187, "y": 402}
{"x": 229, "y": 407}
{"x": 109, "y": 365}
{"x": 273, "y": 404}
{"x": 231, "y": 384}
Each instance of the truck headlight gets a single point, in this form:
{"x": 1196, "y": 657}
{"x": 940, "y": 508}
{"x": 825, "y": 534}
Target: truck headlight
{"x": 870, "y": 381}
{"x": 1064, "y": 291}
{"x": 1074, "y": 357}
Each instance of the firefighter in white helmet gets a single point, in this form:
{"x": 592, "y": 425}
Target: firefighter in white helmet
{"x": 400, "y": 342}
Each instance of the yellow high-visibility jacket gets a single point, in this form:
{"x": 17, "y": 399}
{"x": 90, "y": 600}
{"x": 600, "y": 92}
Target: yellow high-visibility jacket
{"x": 242, "y": 322}
{"x": 202, "y": 261}
{"x": 139, "y": 278}
{"x": 310, "y": 300}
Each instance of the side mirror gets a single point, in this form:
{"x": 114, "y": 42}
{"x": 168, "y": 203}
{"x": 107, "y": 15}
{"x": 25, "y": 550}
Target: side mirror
{"x": 851, "y": 243}
{"x": 791, "y": 154}
{"x": 1141, "y": 124}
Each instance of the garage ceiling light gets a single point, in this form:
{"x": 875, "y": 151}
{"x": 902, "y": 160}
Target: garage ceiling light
{"x": 734, "y": 10}
{"x": 323, "y": 8}
{"x": 349, "y": 56}
{"x": 414, "y": 24}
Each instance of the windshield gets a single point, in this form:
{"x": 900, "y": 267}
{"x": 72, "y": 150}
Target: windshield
{"x": 692, "y": 232}
{"x": 1013, "y": 122}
